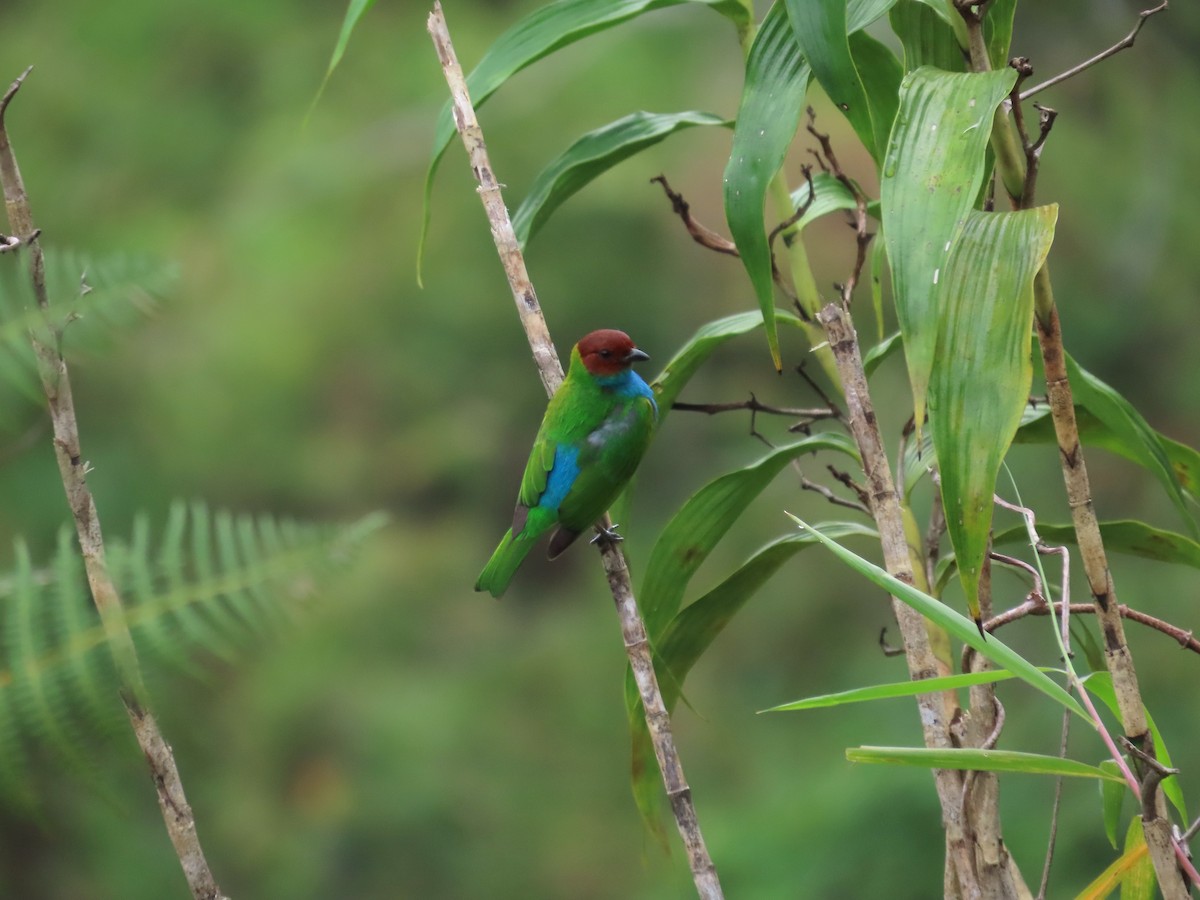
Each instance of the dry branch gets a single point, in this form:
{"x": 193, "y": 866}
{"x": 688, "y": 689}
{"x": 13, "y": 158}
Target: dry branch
{"x": 56, "y": 383}
{"x": 633, "y": 630}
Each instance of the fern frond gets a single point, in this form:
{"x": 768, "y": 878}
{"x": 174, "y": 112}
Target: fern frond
{"x": 182, "y": 603}
{"x": 89, "y": 298}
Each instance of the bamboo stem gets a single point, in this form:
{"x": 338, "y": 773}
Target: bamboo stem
{"x": 633, "y": 630}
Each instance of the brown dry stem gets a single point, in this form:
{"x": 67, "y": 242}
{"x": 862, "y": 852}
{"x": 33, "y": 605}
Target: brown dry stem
{"x": 56, "y": 383}
{"x": 633, "y": 630}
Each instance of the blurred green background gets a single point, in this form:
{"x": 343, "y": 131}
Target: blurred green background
{"x": 414, "y": 739}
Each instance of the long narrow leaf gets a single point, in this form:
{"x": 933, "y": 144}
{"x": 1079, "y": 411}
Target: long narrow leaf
{"x": 769, "y": 111}
{"x": 979, "y": 760}
{"x": 592, "y": 155}
{"x": 933, "y": 171}
{"x": 980, "y": 379}
{"x": 895, "y": 689}
{"x": 959, "y": 626}
{"x": 703, "y": 520}
{"x": 1122, "y": 536}
{"x": 354, "y": 13}
{"x": 822, "y": 30}
{"x": 686, "y": 639}
{"x": 683, "y": 365}
{"x": 546, "y": 29}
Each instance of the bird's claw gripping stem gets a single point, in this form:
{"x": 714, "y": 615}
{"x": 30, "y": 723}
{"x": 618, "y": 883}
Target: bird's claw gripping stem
{"x": 607, "y": 534}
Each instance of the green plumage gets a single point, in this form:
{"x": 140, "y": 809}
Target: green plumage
{"x": 594, "y": 433}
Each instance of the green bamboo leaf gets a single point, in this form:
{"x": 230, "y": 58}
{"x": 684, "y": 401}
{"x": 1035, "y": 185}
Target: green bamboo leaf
{"x": 543, "y": 31}
{"x": 980, "y": 379}
{"x": 881, "y": 72}
{"x": 1122, "y": 536}
{"x": 876, "y": 356}
{"x": 1112, "y": 796}
{"x": 828, "y": 195}
{"x": 927, "y": 36}
{"x": 821, "y": 28}
{"x": 703, "y": 520}
{"x": 959, "y": 626}
{"x": 594, "y": 154}
{"x": 1131, "y": 430}
{"x": 687, "y": 638}
{"x": 768, "y": 113}
{"x": 1037, "y": 427}
{"x": 683, "y": 365}
{"x": 932, "y": 173}
{"x": 895, "y": 689}
{"x": 971, "y": 759}
{"x": 1099, "y": 685}
{"x": 997, "y": 30}
{"x": 354, "y": 13}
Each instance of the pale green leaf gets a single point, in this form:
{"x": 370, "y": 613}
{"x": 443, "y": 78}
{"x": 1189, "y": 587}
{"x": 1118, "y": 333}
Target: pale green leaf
{"x": 933, "y": 171}
{"x": 684, "y": 364}
{"x": 594, "y": 154}
{"x": 1121, "y": 536}
{"x": 971, "y": 759}
{"x": 687, "y": 638}
{"x": 768, "y": 113}
{"x": 690, "y": 535}
{"x": 895, "y": 689}
{"x": 1112, "y": 796}
{"x": 354, "y": 13}
{"x": 545, "y": 30}
{"x": 958, "y": 625}
{"x": 981, "y": 373}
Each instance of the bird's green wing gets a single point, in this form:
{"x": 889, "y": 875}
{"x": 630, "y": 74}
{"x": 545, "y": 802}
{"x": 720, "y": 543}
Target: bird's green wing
{"x": 533, "y": 482}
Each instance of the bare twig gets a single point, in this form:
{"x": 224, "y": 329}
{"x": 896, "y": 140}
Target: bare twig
{"x": 1116, "y": 48}
{"x": 56, "y": 383}
{"x": 1036, "y": 606}
{"x": 1058, "y": 786}
{"x": 700, "y": 233}
{"x": 633, "y": 630}
{"x": 810, "y": 485}
{"x": 811, "y": 414}
{"x": 862, "y": 236}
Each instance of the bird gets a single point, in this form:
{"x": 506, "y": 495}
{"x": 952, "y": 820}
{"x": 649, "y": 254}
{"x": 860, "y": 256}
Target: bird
{"x": 595, "y": 431}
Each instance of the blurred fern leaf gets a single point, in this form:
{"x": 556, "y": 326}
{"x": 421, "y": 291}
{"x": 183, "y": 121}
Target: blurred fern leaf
{"x": 216, "y": 582}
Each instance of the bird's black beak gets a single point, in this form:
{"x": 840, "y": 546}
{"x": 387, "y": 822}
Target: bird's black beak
{"x": 635, "y": 355}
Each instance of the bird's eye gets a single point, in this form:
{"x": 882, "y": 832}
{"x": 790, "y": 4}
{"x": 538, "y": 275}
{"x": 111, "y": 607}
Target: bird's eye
{"x": 606, "y": 353}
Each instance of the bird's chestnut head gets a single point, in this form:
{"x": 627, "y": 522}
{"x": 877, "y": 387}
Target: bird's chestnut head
{"x": 608, "y": 352}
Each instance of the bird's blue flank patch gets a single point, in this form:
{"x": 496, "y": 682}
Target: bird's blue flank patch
{"x": 628, "y": 384}
{"x": 562, "y": 476}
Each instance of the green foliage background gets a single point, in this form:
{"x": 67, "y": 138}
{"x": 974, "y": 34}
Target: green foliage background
{"x": 415, "y": 739}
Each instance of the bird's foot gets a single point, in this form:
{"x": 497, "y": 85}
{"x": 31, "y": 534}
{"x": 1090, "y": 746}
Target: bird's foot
{"x": 607, "y": 534}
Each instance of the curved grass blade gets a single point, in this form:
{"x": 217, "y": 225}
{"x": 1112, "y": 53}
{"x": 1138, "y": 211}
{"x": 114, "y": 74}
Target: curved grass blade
{"x": 876, "y": 356}
{"x": 354, "y": 13}
{"x": 687, "y": 638}
{"x": 972, "y": 759}
{"x": 592, "y": 155}
{"x": 895, "y": 689}
{"x": 1037, "y": 427}
{"x": 1131, "y": 429}
{"x": 539, "y": 34}
{"x": 933, "y": 171}
{"x": 981, "y": 373}
{"x": 703, "y": 520}
{"x": 684, "y": 364}
{"x": 959, "y": 626}
{"x": 828, "y": 195}
{"x": 768, "y": 113}
{"x": 1121, "y": 535}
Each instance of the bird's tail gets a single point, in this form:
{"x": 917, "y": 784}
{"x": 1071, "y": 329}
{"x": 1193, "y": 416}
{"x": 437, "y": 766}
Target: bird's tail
{"x": 503, "y": 565}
